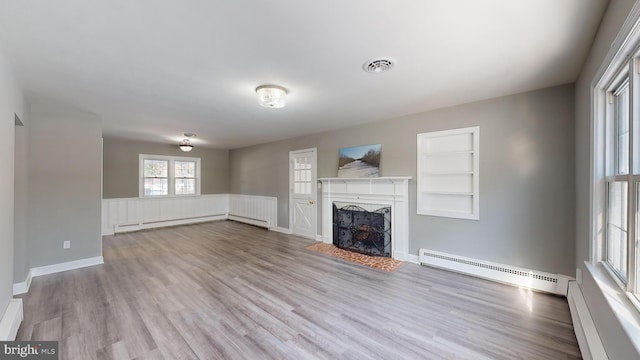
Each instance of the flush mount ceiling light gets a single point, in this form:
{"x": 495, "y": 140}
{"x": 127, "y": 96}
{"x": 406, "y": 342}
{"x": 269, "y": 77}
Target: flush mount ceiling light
{"x": 185, "y": 145}
{"x": 378, "y": 65}
{"x": 272, "y": 96}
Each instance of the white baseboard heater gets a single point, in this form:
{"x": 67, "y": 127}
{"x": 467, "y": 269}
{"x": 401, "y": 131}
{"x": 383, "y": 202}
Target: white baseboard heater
{"x": 513, "y": 275}
{"x": 121, "y": 228}
{"x": 247, "y": 220}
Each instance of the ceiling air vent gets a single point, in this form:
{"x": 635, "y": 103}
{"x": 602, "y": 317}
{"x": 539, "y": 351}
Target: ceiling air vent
{"x": 378, "y": 65}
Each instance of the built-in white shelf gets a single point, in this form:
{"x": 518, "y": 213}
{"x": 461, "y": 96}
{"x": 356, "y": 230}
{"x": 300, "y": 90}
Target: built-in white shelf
{"x": 448, "y": 164}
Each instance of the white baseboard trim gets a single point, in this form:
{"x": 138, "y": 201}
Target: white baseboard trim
{"x": 23, "y": 287}
{"x": 281, "y": 230}
{"x": 65, "y": 266}
{"x": 319, "y": 238}
{"x": 413, "y": 259}
{"x": 588, "y": 339}
{"x": 250, "y": 221}
{"x": 11, "y": 320}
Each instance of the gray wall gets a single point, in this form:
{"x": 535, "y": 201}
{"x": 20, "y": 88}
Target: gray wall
{"x": 121, "y": 166}
{"x": 617, "y": 343}
{"x": 527, "y": 201}
{"x": 64, "y": 170}
{"x": 20, "y": 248}
{"x": 11, "y": 103}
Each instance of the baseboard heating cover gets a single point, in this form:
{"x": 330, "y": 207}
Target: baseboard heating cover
{"x": 164, "y": 223}
{"x": 513, "y": 275}
{"x": 247, "y": 220}
{"x": 588, "y": 339}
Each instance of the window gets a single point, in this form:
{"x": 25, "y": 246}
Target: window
{"x": 156, "y": 177}
{"x": 617, "y": 185}
{"x": 185, "y": 176}
{"x": 448, "y": 173}
{"x": 616, "y": 236}
{"x": 614, "y": 182}
{"x": 169, "y": 176}
{"x": 302, "y": 175}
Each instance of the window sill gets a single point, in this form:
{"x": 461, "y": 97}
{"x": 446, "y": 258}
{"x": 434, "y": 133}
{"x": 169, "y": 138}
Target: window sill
{"x": 627, "y": 315}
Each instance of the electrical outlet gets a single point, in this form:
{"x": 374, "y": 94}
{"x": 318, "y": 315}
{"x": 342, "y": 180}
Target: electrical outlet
{"x": 66, "y": 244}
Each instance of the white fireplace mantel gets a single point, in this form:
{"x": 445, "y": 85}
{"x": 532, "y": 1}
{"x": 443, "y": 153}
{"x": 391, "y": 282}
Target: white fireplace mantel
{"x": 385, "y": 191}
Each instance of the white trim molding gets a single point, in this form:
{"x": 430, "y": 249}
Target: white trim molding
{"x": 11, "y": 319}
{"x": 414, "y": 259}
{"x": 281, "y": 230}
{"x": 23, "y": 287}
{"x": 588, "y": 339}
{"x": 65, "y": 266}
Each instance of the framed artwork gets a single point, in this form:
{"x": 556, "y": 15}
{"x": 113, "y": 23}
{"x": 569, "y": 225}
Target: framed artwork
{"x": 359, "y": 161}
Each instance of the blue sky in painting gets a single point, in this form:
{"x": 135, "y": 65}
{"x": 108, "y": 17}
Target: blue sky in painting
{"x": 357, "y": 152}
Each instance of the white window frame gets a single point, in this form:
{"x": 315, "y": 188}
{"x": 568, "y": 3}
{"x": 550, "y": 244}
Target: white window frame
{"x": 617, "y": 69}
{"x": 171, "y": 175}
{"x": 433, "y": 175}
{"x": 612, "y": 170}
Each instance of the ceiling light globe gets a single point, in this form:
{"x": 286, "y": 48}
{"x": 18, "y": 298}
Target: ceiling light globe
{"x": 271, "y": 96}
{"x": 186, "y": 145}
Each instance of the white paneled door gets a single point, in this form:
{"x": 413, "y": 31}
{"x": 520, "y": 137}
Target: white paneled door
{"x": 303, "y": 192}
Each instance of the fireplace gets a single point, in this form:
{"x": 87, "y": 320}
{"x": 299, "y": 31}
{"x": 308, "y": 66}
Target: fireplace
{"x": 382, "y": 195}
{"x": 359, "y": 229}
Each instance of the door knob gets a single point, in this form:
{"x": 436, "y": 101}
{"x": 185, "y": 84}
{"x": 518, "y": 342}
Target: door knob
{"x": 311, "y": 202}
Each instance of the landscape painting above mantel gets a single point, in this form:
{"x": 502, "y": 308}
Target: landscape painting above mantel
{"x": 359, "y": 161}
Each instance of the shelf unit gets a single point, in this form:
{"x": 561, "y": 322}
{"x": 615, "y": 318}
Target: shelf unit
{"x": 448, "y": 173}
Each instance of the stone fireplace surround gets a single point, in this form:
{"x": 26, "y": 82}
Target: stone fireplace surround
{"x": 383, "y": 191}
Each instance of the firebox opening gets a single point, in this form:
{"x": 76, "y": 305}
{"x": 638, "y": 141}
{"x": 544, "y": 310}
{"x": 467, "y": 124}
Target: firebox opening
{"x": 358, "y": 229}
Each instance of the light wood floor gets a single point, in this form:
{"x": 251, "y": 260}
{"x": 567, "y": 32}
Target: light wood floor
{"x": 228, "y": 290}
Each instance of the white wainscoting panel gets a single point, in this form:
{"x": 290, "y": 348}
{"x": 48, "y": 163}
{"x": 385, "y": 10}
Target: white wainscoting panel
{"x": 256, "y": 210}
{"x": 129, "y": 214}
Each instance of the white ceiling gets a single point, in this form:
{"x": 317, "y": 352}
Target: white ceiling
{"x": 153, "y": 69}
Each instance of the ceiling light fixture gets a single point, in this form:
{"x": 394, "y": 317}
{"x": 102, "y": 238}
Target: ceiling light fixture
{"x": 272, "y": 96}
{"x": 185, "y": 145}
